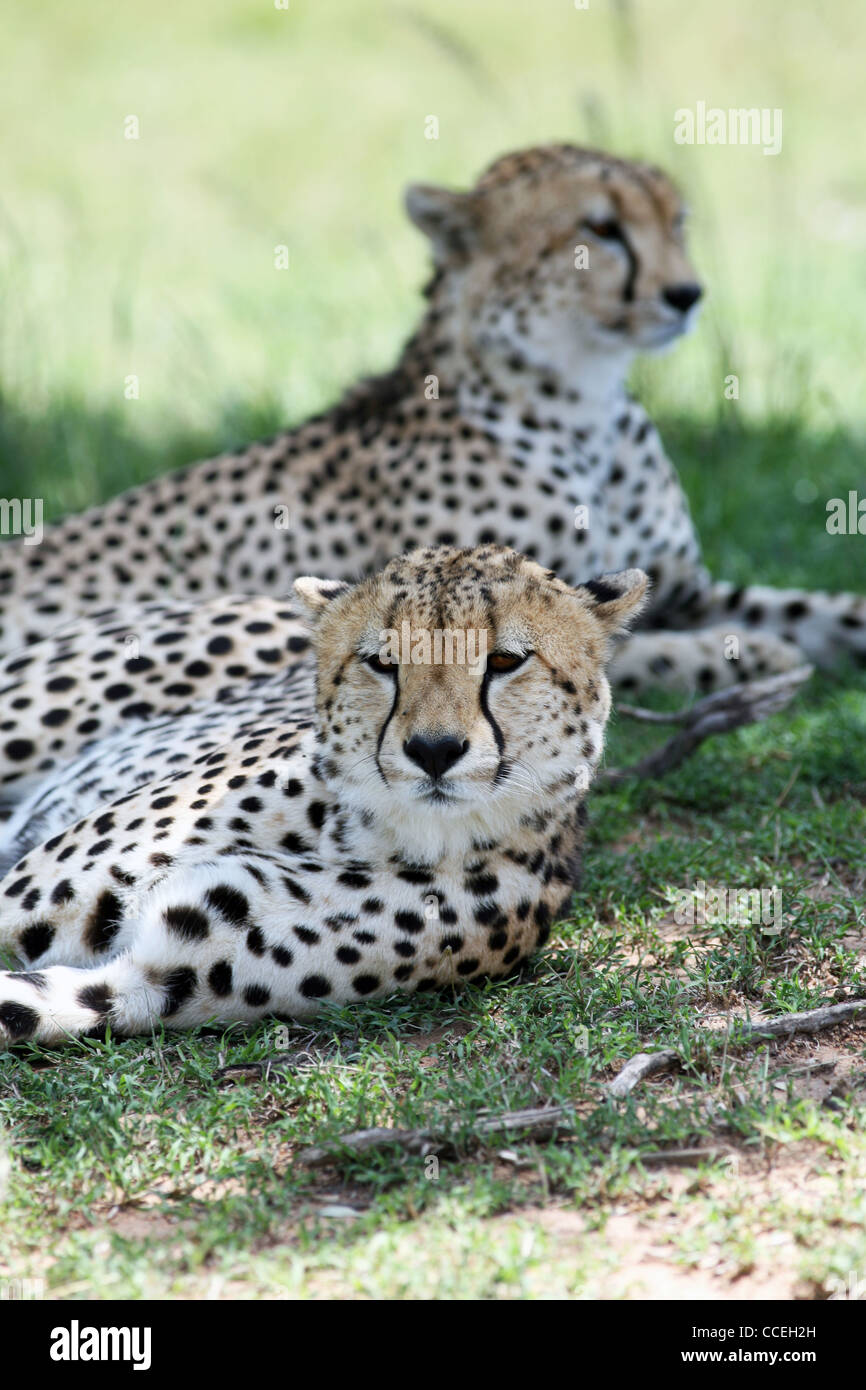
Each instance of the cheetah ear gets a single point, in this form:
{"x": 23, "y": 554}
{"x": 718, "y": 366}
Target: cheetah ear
{"x": 449, "y": 219}
{"x": 314, "y": 595}
{"x": 615, "y": 599}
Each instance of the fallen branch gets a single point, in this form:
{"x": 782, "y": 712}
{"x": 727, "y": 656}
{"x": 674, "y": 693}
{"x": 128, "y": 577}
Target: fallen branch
{"x": 361, "y": 1141}
{"x": 645, "y": 1064}
{"x": 541, "y": 1123}
{"x": 718, "y": 713}
{"x": 812, "y": 1021}
{"x": 546, "y": 1122}
{"x": 638, "y": 1068}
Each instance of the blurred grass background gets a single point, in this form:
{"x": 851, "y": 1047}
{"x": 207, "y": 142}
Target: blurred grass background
{"x": 260, "y": 127}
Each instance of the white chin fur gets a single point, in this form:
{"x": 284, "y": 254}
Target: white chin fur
{"x": 425, "y": 830}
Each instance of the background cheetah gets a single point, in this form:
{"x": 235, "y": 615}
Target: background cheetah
{"x": 423, "y": 827}
{"x": 505, "y": 421}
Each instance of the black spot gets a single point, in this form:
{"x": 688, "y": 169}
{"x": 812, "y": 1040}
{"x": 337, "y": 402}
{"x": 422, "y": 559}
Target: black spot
{"x": 482, "y": 884}
{"x": 294, "y": 843}
{"x": 228, "y": 902}
{"x": 315, "y": 987}
{"x": 187, "y": 922}
{"x": 256, "y": 942}
{"x": 18, "y": 750}
{"x": 410, "y": 874}
{"x": 365, "y": 984}
{"x": 281, "y": 955}
{"x": 347, "y": 955}
{"x": 296, "y": 890}
{"x": 220, "y": 978}
{"x": 36, "y": 939}
{"x": 179, "y": 985}
{"x": 353, "y": 879}
{"x": 96, "y": 997}
{"x": 120, "y": 876}
{"x": 18, "y": 1020}
{"x": 409, "y": 921}
{"x": 257, "y": 995}
{"x": 53, "y": 717}
{"x": 104, "y": 922}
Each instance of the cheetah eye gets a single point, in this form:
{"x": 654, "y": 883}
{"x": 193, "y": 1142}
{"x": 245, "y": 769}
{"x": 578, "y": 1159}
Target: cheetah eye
{"x": 605, "y": 228}
{"x": 498, "y": 663}
{"x": 383, "y": 668}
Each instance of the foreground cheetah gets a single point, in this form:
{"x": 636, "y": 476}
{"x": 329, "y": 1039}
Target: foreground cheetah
{"x": 506, "y": 421}
{"x": 417, "y": 823}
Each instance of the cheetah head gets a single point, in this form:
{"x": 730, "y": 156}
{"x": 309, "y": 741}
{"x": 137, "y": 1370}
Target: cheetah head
{"x": 559, "y": 251}
{"x": 460, "y": 691}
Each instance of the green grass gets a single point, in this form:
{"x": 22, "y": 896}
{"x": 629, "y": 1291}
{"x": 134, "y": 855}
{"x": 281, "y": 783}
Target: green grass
{"x": 135, "y": 1170}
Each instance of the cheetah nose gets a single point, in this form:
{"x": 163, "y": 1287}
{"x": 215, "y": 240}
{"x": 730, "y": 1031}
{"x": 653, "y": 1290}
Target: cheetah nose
{"x": 435, "y": 755}
{"x": 681, "y": 297}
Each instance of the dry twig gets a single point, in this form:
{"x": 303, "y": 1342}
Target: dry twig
{"x": 718, "y": 713}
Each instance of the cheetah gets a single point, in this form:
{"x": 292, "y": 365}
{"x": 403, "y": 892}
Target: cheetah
{"x": 506, "y": 421}
{"x": 414, "y": 821}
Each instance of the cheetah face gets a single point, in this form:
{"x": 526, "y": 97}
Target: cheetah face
{"x": 557, "y": 251}
{"x": 463, "y": 686}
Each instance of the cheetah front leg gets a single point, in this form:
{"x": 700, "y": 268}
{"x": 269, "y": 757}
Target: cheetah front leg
{"x": 824, "y": 626}
{"x": 63, "y": 1002}
{"x": 211, "y": 941}
{"x": 192, "y": 954}
{"x": 709, "y": 659}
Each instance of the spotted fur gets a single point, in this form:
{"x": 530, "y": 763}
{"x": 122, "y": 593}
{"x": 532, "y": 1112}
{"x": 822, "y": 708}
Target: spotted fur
{"x": 417, "y": 823}
{"x": 506, "y": 413}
